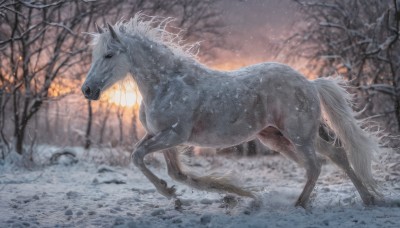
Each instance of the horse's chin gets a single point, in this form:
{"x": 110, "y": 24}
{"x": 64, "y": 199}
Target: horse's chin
{"x": 94, "y": 96}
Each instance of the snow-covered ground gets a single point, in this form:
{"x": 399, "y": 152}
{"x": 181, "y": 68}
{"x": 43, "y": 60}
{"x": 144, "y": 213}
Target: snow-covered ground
{"x": 89, "y": 194}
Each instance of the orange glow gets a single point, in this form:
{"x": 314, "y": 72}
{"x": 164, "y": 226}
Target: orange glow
{"x": 233, "y": 64}
{"x": 124, "y": 94}
{"x": 237, "y": 63}
{"x": 62, "y": 86}
{"x": 127, "y": 98}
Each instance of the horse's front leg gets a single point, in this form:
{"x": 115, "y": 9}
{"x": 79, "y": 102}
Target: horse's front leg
{"x": 149, "y": 144}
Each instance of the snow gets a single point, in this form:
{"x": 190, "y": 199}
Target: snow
{"x": 90, "y": 194}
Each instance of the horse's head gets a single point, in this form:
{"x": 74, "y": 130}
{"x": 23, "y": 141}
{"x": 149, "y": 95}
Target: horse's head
{"x": 109, "y": 63}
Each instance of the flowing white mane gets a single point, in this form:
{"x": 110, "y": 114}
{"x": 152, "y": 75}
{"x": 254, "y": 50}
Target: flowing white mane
{"x": 154, "y": 28}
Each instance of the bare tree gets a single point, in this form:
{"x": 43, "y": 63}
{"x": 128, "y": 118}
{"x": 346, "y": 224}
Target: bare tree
{"x": 133, "y": 130}
{"x": 4, "y": 99}
{"x": 200, "y": 20}
{"x": 103, "y": 122}
{"x": 120, "y": 116}
{"x": 42, "y": 41}
{"x": 88, "y": 140}
{"x": 359, "y": 40}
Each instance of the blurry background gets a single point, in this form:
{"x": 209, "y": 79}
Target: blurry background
{"x": 45, "y": 54}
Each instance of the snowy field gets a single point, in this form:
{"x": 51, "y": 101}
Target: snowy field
{"x": 91, "y": 194}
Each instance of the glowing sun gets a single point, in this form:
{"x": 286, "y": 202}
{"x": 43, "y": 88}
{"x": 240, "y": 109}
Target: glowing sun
{"x": 126, "y": 95}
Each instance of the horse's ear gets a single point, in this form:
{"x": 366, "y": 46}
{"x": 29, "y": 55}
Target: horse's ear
{"x": 113, "y": 34}
{"x": 99, "y": 29}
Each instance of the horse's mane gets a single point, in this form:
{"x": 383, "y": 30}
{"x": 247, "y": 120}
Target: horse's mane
{"x": 154, "y": 28}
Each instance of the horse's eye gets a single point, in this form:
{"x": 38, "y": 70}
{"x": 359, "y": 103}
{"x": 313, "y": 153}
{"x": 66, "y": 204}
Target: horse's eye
{"x": 108, "y": 56}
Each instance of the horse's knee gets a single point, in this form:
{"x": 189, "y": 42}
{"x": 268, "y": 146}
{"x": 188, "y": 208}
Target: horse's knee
{"x": 313, "y": 166}
{"x": 137, "y": 158}
{"x": 318, "y": 166}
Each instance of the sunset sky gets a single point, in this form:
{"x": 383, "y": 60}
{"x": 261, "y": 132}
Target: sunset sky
{"x": 251, "y": 24}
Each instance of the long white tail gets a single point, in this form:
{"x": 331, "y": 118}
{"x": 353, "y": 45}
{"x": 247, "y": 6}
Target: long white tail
{"x": 359, "y": 144}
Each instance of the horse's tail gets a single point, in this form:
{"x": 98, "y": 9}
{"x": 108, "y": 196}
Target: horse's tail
{"x": 359, "y": 143}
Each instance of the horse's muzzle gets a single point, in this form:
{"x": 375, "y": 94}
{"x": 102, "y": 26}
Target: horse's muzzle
{"x": 90, "y": 93}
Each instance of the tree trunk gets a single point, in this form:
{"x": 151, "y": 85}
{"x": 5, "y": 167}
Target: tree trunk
{"x": 104, "y": 124}
{"x": 4, "y": 141}
{"x": 89, "y": 126}
{"x": 19, "y": 139}
{"x": 120, "y": 116}
{"x": 394, "y": 65}
{"x": 134, "y": 136}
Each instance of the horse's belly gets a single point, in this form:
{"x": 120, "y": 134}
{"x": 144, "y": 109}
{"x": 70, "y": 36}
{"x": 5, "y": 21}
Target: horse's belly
{"x": 220, "y": 135}
{"x": 217, "y": 142}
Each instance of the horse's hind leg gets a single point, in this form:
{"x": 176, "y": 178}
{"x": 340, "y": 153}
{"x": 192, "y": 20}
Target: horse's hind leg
{"x": 173, "y": 165}
{"x": 339, "y": 157}
{"x": 303, "y": 155}
{"x": 210, "y": 183}
{"x": 313, "y": 169}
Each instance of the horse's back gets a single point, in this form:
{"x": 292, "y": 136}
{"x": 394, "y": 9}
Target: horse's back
{"x": 271, "y": 73}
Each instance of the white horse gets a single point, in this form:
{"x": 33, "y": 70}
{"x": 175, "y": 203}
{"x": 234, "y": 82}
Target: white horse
{"x": 186, "y": 103}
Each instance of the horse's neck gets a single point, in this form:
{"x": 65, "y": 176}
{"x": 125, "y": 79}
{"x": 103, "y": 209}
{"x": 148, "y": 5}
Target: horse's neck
{"x": 153, "y": 65}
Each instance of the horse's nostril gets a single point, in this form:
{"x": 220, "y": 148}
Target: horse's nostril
{"x": 86, "y": 90}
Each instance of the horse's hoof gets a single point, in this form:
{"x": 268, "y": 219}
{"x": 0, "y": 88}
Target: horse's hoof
{"x": 167, "y": 192}
{"x": 172, "y": 190}
{"x": 178, "y": 204}
{"x": 369, "y": 201}
{"x": 254, "y": 206}
{"x": 300, "y": 204}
